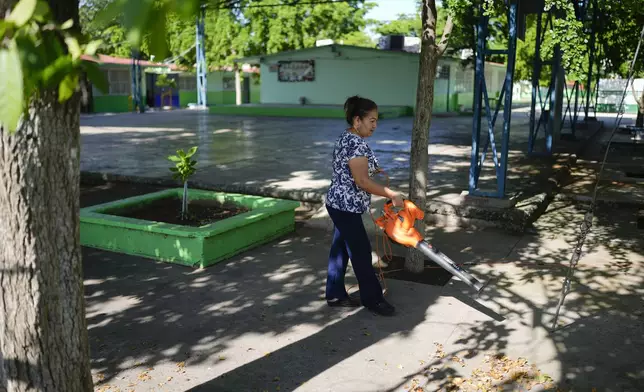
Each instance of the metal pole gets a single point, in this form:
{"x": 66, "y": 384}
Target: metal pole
{"x": 536, "y": 75}
{"x": 479, "y": 79}
{"x": 201, "y": 59}
{"x": 507, "y": 110}
{"x": 591, "y": 60}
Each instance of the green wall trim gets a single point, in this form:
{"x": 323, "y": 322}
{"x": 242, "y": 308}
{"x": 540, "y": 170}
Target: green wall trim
{"x": 612, "y": 108}
{"x": 268, "y": 219}
{"x": 111, "y": 104}
{"x": 304, "y": 111}
{"x": 186, "y": 97}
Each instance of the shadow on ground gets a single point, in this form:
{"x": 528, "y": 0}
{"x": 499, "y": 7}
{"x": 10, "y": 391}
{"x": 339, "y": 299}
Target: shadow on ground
{"x": 258, "y": 322}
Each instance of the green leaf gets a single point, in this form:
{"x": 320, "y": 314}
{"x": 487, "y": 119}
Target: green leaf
{"x": 96, "y": 76}
{"x": 191, "y": 152}
{"x": 92, "y": 47}
{"x": 54, "y": 71}
{"x": 11, "y": 87}
{"x": 22, "y": 12}
{"x": 74, "y": 47}
{"x": 67, "y": 25}
{"x": 42, "y": 11}
{"x": 181, "y": 153}
{"x": 174, "y": 158}
{"x": 67, "y": 87}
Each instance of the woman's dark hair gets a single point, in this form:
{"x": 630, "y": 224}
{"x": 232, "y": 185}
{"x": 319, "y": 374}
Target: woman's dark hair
{"x": 358, "y": 106}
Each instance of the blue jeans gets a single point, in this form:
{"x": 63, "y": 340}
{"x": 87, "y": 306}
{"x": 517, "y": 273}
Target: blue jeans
{"x": 350, "y": 241}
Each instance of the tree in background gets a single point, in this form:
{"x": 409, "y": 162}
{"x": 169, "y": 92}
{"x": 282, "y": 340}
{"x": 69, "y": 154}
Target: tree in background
{"x": 622, "y": 22}
{"x": 232, "y": 33}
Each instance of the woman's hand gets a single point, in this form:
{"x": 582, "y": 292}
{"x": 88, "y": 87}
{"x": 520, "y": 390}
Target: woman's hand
{"x": 397, "y": 200}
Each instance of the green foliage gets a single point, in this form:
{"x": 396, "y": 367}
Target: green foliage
{"x": 184, "y": 164}
{"x": 409, "y": 25}
{"x": 357, "y": 38}
{"x": 249, "y": 29}
{"x": 38, "y": 54}
{"x": 10, "y": 88}
{"x": 164, "y": 81}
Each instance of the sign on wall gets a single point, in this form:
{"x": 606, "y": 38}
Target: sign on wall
{"x": 296, "y": 71}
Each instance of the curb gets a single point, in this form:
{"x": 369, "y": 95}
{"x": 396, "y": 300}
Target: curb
{"x": 301, "y": 196}
{"x": 437, "y": 213}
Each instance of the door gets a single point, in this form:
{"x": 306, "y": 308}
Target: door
{"x": 246, "y": 90}
{"x": 150, "y": 80}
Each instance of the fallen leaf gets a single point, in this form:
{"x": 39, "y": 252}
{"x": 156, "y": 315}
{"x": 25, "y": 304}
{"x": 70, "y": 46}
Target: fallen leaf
{"x": 399, "y": 366}
{"x": 222, "y": 358}
{"x": 459, "y": 360}
{"x": 144, "y": 376}
{"x": 169, "y": 378}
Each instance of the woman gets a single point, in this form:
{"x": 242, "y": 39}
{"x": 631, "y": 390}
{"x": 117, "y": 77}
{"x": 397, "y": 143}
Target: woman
{"x": 348, "y": 197}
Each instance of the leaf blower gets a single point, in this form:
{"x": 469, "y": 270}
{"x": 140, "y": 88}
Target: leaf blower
{"x": 399, "y": 226}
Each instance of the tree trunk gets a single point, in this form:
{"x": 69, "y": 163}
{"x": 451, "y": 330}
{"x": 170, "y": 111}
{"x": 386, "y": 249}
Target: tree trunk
{"x": 639, "y": 122}
{"x": 43, "y": 332}
{"x": 419, "y": 164}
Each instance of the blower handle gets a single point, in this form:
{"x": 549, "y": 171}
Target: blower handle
{"x": 408, "y": 214}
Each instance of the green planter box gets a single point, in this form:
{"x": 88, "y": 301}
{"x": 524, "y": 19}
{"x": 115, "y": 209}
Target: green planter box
{"x": 266, "y": 220}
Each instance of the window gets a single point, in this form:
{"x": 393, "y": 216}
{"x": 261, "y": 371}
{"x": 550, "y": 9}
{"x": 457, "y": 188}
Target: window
{"x": 464, "y": 80}
{"x": 120, "y": 82}
{"x": 442, "y": 72}
{"x": 188, "y": 82}
{"x": 228, "y": 83}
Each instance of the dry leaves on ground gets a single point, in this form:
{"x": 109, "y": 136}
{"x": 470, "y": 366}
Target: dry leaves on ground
{"x": 502, "y": 373}
{"x": 144, "y": 376}
{"x": 439, "y": 351}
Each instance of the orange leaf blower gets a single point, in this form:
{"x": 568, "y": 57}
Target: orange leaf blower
{"x": 399, "y": 226}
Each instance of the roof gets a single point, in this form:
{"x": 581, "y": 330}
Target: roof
{"x": 333, "y": 47}
{"x": 337, "y": 47}
{"x": 105, "y": 59}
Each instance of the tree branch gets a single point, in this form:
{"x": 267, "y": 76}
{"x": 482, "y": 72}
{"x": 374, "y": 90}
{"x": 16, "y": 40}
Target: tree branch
{"x": 447, "y": 31}
{"x": 640, "y": 100}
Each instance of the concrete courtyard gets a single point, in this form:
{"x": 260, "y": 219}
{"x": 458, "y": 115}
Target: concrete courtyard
{"x": 294, "y": 154}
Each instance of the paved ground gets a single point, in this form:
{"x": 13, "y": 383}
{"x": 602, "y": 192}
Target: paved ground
{"x": 290, "y": 154}
{"x": 257, "y": 321}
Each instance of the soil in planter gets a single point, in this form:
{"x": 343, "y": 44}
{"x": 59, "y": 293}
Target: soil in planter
{"x": 168, "y": 210}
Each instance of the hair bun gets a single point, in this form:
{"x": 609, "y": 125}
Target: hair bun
{"x": 357, "y": 106}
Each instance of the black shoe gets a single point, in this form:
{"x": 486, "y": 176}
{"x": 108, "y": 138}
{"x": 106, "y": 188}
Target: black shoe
{"x": 346, "y": 302}
{"x": 383, "y": 308}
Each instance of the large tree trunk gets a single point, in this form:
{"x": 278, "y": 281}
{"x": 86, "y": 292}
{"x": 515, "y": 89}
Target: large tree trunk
{"x": 639, "y": 122}
{"x": 43, "y": 332}
{"x": 419, "y": 164}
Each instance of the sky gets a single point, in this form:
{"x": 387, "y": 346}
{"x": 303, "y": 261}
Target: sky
{"x": 389, "y": 9}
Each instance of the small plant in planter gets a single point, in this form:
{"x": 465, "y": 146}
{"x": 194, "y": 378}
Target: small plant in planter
{"x": 184, "y": 169}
